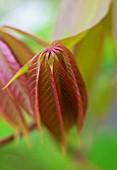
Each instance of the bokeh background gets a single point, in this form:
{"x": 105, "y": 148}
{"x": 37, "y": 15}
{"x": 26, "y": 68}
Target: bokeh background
{"x": 96, "y": 149}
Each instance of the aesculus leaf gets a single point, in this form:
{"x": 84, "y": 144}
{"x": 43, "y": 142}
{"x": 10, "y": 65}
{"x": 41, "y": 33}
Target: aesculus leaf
{"x": 77, "y": 82}
{"x": 20, "y": 50}
{"x": 66, "y": 95}
{"x": 85, "y": 15}
{"x": 77, "y": 75}
{"x": 33, "y": 78}
{"x": 49, "y": 105}
{"x": 8, "y": 67}
{"x": 57, "y": 91}
{"x": 12, "y": 113}
{"x": 26, "y": 34}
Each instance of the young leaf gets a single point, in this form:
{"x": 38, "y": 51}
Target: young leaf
{"x": 12, "y": 113}
{"x": 79, "y": 80}
{"x": 33, "y": 78}
{"x": 8, "y": 67}
{"x": 20, "y": 50}
{"x": 78, "y": 84}
{"x": 66, "y": 95}
{"x": 75, "y": 70}
{"x": 28, "y": 35}
{"x": 49, "y": 105}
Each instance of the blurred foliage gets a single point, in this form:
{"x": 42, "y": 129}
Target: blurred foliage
{"x": 97, "y": 147}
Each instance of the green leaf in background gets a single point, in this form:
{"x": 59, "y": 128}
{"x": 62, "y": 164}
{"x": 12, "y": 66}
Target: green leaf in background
{"x": 75, "y": 17}
{"x": 69, "y": 42}
{"x": 114, "y": 26}
{"x": 101, "y": 95}
{"x": 88, "y": 51}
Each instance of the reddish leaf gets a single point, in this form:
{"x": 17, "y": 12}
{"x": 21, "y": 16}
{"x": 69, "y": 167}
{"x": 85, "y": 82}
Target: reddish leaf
{"x": 49, "y": 105}
{"x": 78, "y": 77}
{"x": 20, "y": 50}
{"x": 26, "y": 34}
{"x": 12, "y": 113}
{"x": 80, "y": 83}
{"x": 71, "y": 69}
{"x": 8, "y": 67}
{"x": 66, "y": 94}
{"x": 33, "y": 77}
